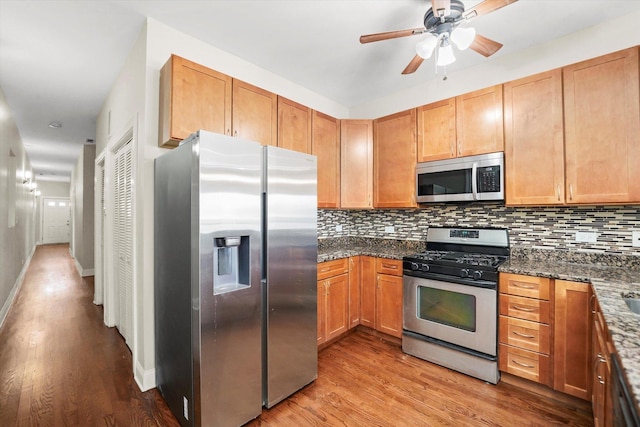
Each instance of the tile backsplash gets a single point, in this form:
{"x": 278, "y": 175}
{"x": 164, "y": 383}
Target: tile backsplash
{"x": 539, "y": 227}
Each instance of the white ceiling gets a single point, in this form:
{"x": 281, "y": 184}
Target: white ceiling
{"x": 58, "y": 59}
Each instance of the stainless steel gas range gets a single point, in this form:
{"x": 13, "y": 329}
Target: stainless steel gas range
{"x": 451, "y": 299}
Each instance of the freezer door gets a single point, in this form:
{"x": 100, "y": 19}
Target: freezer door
{"x": 229, "y": 194}
{"x": 290, "y": 255}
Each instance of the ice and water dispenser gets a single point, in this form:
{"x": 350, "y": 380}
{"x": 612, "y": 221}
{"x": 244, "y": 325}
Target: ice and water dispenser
{"x": 231, "y": 269}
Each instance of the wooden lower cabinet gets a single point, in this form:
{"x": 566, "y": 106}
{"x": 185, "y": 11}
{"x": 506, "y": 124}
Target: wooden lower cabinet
{"x": 545, "y": 332}
{"x": 333, "y": 299}
{"x": 572, "y": 339}
{"x": 368, "y": 291}
{"x": 354, "y": 291}
{"x": 602, "y": 349}
{"x": 389, "y": 304}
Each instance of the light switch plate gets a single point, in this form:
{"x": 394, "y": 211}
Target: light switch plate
{"x": 389, "y": 229}
{"x": 635, "y": 239}
{"x": 586, "y": 236}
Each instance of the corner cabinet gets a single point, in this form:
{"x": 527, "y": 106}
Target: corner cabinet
{"x": 356, "y": 164}
{"x": 534, "y": 140}
{"x": 466, "y": 125}
{"x": 602, "y": 129}
{"x": 294, "y": 126}
{"x": 394, "y": 156}
{"x": 325, "y": 141}
{"x": 192, "y": 97}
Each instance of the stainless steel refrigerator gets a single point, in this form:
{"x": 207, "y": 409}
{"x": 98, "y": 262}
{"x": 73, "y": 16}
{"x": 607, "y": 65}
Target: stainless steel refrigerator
{"x": 235, "y": 277}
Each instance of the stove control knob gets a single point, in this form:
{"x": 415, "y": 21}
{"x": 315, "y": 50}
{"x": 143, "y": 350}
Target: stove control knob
{"x": 464, "y": 272}
{"x": 424, "y": 267}
{"x": 415, "y": 266}
{"x": 477, "y": 275}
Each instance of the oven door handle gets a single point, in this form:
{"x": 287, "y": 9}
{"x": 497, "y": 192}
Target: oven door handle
{"x": 474, "y": 180}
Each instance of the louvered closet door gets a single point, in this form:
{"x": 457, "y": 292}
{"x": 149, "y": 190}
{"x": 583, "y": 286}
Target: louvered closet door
{"x": 123, "y": 241}
{"x": 98, "y": 297}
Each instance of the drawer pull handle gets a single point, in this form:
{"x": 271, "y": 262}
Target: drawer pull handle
{"x": 600, "y": 379}
{"x": 325, "y": 269}
{"x": 517, "y": 307}
{"x": 524, "y": 365}
{"x": 523, "y": 335}
{"x": 518, "y": 285}
{"x": 389, "y": 266}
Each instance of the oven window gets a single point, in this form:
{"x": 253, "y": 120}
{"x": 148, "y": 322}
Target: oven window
{"x": 448, "y": 182}
{"x": 447, "y": 307}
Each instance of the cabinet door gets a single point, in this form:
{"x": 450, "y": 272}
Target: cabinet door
{"x": 322, "y": 311}
{"x": 394, "y": 157}
{"x": 534, "y": 149}
{"x": 572, "y": 336}
{"x": 479, "y": 124}
{"x": 325, "y": 140}
{"x": 437, "y": 130}
{"x": 255, "y": 113}
{"x": 337, "y": 305}
{"x": 354, "y": 291}
{"x": 389, "y": 305}
{"x": 294, "y": 126}
{"x": 600, "y": 374}
{"x": 602, "y": 129}
{"x": 356, "y": 163}
{"x": 368, "y": 291}
{"x": 192, "y": 97}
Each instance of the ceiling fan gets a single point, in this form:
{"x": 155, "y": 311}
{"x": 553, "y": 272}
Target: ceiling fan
{"x": 441, "y": 24}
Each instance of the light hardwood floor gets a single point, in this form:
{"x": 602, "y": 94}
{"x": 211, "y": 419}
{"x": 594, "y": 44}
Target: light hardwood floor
{"x": 59, "y": 365}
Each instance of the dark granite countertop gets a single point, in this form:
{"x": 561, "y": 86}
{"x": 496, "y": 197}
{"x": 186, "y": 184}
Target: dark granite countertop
{"x": 330, "y": 249}
{"x": 611, "y": 279}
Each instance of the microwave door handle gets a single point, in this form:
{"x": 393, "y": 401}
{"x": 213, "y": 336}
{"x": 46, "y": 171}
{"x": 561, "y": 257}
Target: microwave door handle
{"x": 474, "y": 180}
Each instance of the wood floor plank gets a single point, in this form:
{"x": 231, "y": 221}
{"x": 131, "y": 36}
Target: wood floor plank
{"x": 59, "y": 365}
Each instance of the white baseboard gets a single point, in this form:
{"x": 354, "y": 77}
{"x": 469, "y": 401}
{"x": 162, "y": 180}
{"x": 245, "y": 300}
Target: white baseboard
{"x": 146, "y": 380}
{"x": 16, "y": 287}
{"x": 83, "y": 272}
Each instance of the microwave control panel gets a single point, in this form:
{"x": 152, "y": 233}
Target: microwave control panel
{"x": 489, "y": 179}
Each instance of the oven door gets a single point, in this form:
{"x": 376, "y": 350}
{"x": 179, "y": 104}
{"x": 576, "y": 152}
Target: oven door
{"x": 458, "y": 314}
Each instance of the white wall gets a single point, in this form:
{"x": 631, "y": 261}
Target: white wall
{"x": 82, "y": 206}
{"x": 585, "y": 44}
{"x": 18, "y": 240}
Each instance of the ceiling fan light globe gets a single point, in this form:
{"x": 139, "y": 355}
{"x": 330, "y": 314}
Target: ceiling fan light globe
{"x": 445, "y": 56}
{"x": 463, "y": 37}
{"x": 425, "y": 48}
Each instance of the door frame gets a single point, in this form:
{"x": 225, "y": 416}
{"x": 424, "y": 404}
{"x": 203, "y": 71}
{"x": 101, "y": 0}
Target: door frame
{"x": 99, "y": 192}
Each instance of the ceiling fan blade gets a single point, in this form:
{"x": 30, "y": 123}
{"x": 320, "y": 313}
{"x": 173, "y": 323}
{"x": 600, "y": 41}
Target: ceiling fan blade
{"x": 413, "y": 65}
{"x": 441, "y": 7}
{"x": 485, "y": 46}
{"x": 487, "y": 6}
{"x": 391, "y": 35}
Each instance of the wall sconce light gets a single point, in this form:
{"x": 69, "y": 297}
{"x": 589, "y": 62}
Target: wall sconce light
{"x": 26, "y": 177}
{"x": 38, "y": 193}
{"x": 32, "y": 187}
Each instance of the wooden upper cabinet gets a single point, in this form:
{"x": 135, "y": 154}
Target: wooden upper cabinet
{"x": 534, "y": 140}
{"x": 394, "y": 157}
{"x": 479, "y": 125}
{"x": 255, "y": 113}
{"x": 325, "y": 141}
{"x": 294, "y": 126}
{"x": 437, "y": 130}
{"x": 356, "y": 163}
{"x": 602, "y": 129}
{"x": 192, "y": 97}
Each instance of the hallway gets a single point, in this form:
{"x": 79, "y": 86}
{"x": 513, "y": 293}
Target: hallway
{"x": 59, "y": 364}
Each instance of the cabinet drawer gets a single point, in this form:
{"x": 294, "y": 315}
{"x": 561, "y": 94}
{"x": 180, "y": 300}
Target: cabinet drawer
{"x": 389, "y": 266}
{"x": 525, "y": 334}
{"x": 333, "y": 268}
{"x": 524, "y": 308}
{"x": 525, "y": 364}
{"x": 525, "y": 286}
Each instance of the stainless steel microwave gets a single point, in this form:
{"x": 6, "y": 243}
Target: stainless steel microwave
{"x": 462, "y": 179}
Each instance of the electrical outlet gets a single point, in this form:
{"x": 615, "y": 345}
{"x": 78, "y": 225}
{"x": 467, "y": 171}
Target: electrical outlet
{"x": 586, "y": 236}
{"x": 338, "y": 228}
{"x": 389, "y": 229}
{"x": 635, "y": 239}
